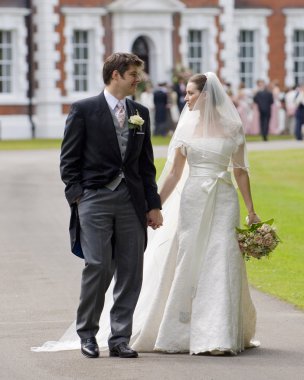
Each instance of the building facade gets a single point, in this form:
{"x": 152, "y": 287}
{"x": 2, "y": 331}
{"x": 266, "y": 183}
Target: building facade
{"x": 52, "y": 51}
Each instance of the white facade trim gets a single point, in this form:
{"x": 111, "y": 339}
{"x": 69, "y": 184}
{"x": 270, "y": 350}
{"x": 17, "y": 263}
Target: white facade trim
{"x": 48, "y": 118}
{"x": 13, "y": 20}
{"x": 74, "y": 20}
{"x": 15, "y": 127}
{"x": 156, "y": 6}
{"x": 294, "y": 21}
{"x": 46, "y": 55}
{"x": 255, "y": 20}
{"x": 76, "y": 11}
{"x": 261, "y": 12}
{"x": 227, "y": 38}
{"x": 7, "y": 11}
{"x": 157, "y": 29}
{"x": 200, "y": 19}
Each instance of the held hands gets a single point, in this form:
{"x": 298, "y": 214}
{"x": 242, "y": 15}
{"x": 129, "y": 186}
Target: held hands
{"x": 154, "y": 219}
{"x": 252, "y": 218}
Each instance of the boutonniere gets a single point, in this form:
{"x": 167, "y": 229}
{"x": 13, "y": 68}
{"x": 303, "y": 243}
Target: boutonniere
{"x": 136, "y": 122}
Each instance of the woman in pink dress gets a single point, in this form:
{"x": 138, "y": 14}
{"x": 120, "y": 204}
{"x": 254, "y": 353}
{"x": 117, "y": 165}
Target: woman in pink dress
{"x": 242, "y": 102}
{"x": 275, "y": 124}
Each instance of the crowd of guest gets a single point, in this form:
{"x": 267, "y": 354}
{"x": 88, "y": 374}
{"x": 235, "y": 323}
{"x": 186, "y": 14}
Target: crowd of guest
{"x": 265, "y": 110}
{"x": 269, "y": 110}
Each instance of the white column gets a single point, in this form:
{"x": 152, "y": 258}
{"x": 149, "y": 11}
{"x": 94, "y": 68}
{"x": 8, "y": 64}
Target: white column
{"x": 49, "y": 121}
{"x": 229, "y": 52}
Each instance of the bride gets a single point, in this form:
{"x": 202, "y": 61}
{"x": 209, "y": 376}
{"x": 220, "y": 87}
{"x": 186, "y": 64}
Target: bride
{"x": 195, "y": 296}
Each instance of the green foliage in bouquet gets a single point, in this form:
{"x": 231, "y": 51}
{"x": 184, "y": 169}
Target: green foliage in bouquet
{"x": 258, "y": 240}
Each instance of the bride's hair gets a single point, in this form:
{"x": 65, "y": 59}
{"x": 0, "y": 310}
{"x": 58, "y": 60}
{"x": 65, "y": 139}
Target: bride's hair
{"x": 199, "y": 80}
{"x": 201, "y": 83}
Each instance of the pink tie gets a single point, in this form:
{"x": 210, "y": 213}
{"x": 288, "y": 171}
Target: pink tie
{"x": 120, "y": 113}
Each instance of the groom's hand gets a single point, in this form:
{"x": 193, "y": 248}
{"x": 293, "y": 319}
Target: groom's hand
{"x": 154, "y": 219}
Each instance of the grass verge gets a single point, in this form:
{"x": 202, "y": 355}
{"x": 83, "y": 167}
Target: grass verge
{"x": 38, "y": 144}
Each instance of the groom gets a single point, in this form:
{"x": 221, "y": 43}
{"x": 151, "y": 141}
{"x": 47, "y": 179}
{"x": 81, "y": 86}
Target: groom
{"x": 107, "y": 167}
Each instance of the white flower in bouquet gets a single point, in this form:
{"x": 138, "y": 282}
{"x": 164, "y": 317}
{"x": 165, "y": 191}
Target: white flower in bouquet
{"x": 257, "y": 240}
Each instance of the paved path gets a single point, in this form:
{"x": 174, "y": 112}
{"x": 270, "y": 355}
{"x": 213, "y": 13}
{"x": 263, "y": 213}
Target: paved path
{"x": 40, "y": 288}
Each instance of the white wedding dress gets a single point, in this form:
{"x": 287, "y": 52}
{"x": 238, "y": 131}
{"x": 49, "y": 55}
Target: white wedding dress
{"x": 195, "y": 296}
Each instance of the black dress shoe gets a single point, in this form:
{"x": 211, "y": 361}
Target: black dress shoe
{"x": 123, "y": 350}
{"x": 89, "y": 347}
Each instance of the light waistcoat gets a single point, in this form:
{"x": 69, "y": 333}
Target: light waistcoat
{"x": 122, "y": 138}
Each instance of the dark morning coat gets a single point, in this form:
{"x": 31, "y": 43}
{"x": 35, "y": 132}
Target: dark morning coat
{"x": 90, "y": 158}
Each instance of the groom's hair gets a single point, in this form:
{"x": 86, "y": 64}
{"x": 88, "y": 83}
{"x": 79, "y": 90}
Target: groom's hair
{"x": 120, "y": 62}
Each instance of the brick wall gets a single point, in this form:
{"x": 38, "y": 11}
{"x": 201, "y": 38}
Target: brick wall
{"x": 13, "y": 110}
{"x": 60, "y": 48}
{"x": 108, "y": 36}
{"x": 13, "y": 3}
{"x": 201, "y": 3}
{"x": 85, "y": 3}
{"x": 176, "y": 40}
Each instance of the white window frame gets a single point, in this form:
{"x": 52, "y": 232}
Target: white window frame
{"x": 294, "y": 21}
{"x": 85, "y": 19}
{"x": 202, "y": 44}
{"x": 82, "y": 61}
{"x": 300, "y": 58}
{"x": 194, "y": 19}
{"x": 13, "y": 20}
{"x": 254, "y": 20}
{"x": 6, "y": 62}
{"x": 247, "y": 59}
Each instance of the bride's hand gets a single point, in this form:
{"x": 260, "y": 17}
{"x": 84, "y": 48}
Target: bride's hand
{"x": 252, "y": 218}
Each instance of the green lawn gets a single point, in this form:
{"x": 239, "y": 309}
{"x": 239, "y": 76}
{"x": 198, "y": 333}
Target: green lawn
{"x": 55, "y": 143}
{"x": 277, "y": 182}
{"x": 30, "y": 144}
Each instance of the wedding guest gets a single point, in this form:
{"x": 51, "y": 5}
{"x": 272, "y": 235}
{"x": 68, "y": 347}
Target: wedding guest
{"x": 290, "y": 107}
{"x": 264, "y": 99}
{"x": 277, "y": 119}
{"x": 146, "y": 99}
{"x": 243, "y": 103}
{"x": 299, "y": 113}
{"x": 180, "y": 89}
{"x": 161, "y": 102}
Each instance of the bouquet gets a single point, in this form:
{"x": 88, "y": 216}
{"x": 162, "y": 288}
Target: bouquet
{"x": 258, "y": 240}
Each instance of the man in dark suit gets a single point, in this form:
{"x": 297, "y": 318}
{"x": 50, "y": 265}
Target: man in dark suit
{"x": 299, "y": 114}
{"x": 160, "y": 98}
{"x": 107, "y": 166}
{"x": 180, "y": 89}
{"x": 264, "y": 99}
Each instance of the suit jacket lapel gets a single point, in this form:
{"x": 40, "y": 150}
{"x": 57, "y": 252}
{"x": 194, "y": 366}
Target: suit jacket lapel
{"x": 108, "y": 124}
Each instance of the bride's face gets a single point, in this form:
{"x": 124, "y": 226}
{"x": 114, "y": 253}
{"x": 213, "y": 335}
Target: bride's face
{"x": 192, "y": 94}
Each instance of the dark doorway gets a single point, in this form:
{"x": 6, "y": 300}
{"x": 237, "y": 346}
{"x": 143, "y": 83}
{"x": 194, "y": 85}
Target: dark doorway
{"x": 141, "y": 49}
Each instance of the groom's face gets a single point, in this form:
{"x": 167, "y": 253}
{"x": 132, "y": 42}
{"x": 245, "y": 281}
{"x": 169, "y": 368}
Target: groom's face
{"x": 129, "y": 80}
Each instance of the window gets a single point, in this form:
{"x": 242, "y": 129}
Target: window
{"x": 81, "y": 60}
{"x": 196, "y": 50}
{"x": 298, "y": 56}
{"x": 6, "y": 61}
{"x": 247, "y": 57}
